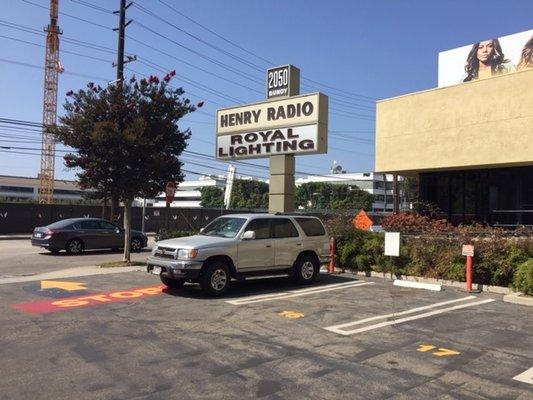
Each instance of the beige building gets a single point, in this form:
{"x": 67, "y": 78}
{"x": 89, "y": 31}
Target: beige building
{"x": 20, "y": 188}
{"x": 470, "y": 144}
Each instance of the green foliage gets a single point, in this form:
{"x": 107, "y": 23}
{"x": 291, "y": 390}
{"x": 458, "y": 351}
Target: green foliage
{"x": 249, "y": 194}
{"x": 363, "y": 262}
{"x": 523, "y": 279}
{"x": 126, "y": 137}
{"x": 332, "y": 196}
{"x": 348, "y": 254}
{"x": 212, "y": 197}
{"x": 436, "y": 254}
{"x": 164, "y": 234}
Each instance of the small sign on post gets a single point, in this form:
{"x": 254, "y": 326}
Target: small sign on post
{"x": 392, "y": 244}
{"x": 468, "y": 250}
{"x": 170, "y": 191}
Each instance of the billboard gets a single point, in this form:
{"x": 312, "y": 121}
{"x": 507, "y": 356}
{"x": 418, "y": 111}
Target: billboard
{"x": 487, "y": 58}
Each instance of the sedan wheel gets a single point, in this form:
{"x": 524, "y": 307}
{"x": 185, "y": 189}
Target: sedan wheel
{"x": 75, "y": 246}
{"x": 136, "y": 244}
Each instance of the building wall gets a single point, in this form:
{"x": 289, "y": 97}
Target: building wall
{"x": 26, "y": 188}
{"x": 480, "y": 124}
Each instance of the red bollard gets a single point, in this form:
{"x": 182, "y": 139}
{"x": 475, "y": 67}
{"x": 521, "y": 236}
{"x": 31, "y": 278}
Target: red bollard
{"x": 332, "y": 253}
{"x": 469, "y": 272}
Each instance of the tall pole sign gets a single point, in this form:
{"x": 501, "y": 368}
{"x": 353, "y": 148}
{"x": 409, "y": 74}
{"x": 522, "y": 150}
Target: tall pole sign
{"x": 285, "y": 125}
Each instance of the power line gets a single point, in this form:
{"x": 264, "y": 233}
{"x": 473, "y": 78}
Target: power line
{"x": 360, "y": 96}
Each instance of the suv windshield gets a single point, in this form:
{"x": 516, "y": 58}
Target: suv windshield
{"x": 224, "y": 227}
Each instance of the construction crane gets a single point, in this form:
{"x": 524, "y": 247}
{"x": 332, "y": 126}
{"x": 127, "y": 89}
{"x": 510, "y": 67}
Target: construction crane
{"x": 52, "y": 68}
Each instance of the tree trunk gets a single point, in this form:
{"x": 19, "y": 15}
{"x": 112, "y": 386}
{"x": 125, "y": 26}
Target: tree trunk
{"x": 127, "y": 228}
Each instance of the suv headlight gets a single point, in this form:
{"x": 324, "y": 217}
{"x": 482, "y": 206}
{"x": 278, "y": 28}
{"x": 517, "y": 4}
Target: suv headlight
{"x": 187, "y": 254}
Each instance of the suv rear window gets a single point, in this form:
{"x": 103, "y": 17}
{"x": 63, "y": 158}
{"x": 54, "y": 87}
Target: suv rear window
{"x": 282, "y": 228}
{"x": 311, "y": 226}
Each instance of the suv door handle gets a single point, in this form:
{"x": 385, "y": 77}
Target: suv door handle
{"x": 298, "y": 244}
{"x": 268, "y": 245}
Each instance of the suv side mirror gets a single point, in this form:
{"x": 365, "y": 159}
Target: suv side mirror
{"x": 248, "y": 235}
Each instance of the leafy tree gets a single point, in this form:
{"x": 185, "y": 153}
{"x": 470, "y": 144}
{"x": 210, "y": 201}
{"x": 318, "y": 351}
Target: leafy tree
{"x": 212, "y": 197}
{"x": 249, "y": 194}
{"x": 323, "y": 195}
{"x": 126, "y": 139}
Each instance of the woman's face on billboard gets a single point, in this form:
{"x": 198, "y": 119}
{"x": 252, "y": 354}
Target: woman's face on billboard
{"x": 484, "y": 50}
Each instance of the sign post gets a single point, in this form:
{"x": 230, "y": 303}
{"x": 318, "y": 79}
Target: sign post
{"x": 170, "y": 191}
{"x": 285, "y": 125}
{"x": 468, "y": 251}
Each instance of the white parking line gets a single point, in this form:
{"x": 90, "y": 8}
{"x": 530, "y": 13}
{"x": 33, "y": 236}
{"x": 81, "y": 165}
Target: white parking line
{"x": 339, "y": 328}
{"x": 526, "y": 376}
{"x": 296, "y": 293}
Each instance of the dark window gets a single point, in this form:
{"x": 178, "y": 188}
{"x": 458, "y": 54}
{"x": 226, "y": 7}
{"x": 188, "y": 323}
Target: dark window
{"x": 311, "y": 226}
{"x": 261, "y": 227}
{"x": 107, "y": 225}
{"x": 60, "y": 224}
{"x": 66, "y": 191}
{"x": 283, "y": 228}
{"x": 16, "y": 189}
{"x": 90, "y": 224}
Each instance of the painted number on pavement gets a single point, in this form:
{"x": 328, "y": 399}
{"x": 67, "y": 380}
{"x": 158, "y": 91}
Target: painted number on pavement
{"x": 291, "y": 314}
{"x": 441, "y": 352}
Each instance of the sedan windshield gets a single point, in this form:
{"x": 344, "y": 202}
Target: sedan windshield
{"x": 224, "y": 227}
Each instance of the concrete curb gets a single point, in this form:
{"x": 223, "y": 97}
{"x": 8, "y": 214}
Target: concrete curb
{"x": 518, "y": 298}
{"x": 461, "y": 285}
{"x": 418, "y": 285}
{"x": 70, "y": 273}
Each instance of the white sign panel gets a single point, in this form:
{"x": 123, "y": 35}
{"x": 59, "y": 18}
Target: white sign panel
{"x": 255, "y": 144}
{"x": 487, "y": 58}
{"x": 293, "y": 111}
{"x": 392, "y": 244}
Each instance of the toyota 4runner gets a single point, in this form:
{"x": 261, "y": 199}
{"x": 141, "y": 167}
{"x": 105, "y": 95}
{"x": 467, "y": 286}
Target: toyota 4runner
{"x": 243, "y": 245}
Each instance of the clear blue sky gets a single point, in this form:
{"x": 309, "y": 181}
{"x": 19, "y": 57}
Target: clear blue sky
{"x": 377, "y": 49}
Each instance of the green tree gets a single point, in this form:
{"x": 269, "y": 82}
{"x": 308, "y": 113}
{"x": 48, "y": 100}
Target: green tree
{"x": 126, "y": 139}
{"x": 249, "y": 194}
{"x": 212, "y": 197}
{"x": 322, "y": 195}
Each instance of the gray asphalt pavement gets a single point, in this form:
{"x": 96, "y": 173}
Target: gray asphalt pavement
{"x": 120, "y": 337}
{"x": 19, "y": 257}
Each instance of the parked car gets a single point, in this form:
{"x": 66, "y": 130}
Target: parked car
{"x": 242, "y": 245}
{"x": 77, "y": 234}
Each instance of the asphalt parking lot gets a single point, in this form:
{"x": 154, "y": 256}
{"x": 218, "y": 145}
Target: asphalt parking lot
{"x": 121, "y": 336}
{"x": 18, "y": 257}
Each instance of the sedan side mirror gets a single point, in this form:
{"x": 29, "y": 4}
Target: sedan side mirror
{"x": 201, "y": 230}
{"x": 248, "y": 235}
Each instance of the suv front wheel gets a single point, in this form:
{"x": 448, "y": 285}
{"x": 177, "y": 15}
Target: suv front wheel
{"x": 215, "y": 279}
{"x": 306, "y": 269}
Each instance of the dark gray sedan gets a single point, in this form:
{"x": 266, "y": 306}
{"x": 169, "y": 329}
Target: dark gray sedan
{"x": 77, "y": 234}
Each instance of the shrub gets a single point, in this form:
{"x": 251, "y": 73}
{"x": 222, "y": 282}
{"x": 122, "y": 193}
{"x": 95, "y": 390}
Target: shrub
{"x": 164, "y": 234}
{"x": 364, "y": 262}
{"x": 348, "y": 254}
{"x": 523, "y": 279}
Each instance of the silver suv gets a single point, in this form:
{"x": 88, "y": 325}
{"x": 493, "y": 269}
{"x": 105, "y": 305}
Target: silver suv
{"x": 243, "y": 245}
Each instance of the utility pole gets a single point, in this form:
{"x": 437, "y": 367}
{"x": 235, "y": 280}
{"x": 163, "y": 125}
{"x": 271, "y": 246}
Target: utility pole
{"x": 120, "y": 65}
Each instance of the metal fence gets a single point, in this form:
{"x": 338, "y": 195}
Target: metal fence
{"x": 24, "y": 217}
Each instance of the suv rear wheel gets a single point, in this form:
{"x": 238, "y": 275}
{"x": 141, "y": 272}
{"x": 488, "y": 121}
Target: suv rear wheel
{"x": 215, "y": 279}
{"x": 306, "y": 269}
